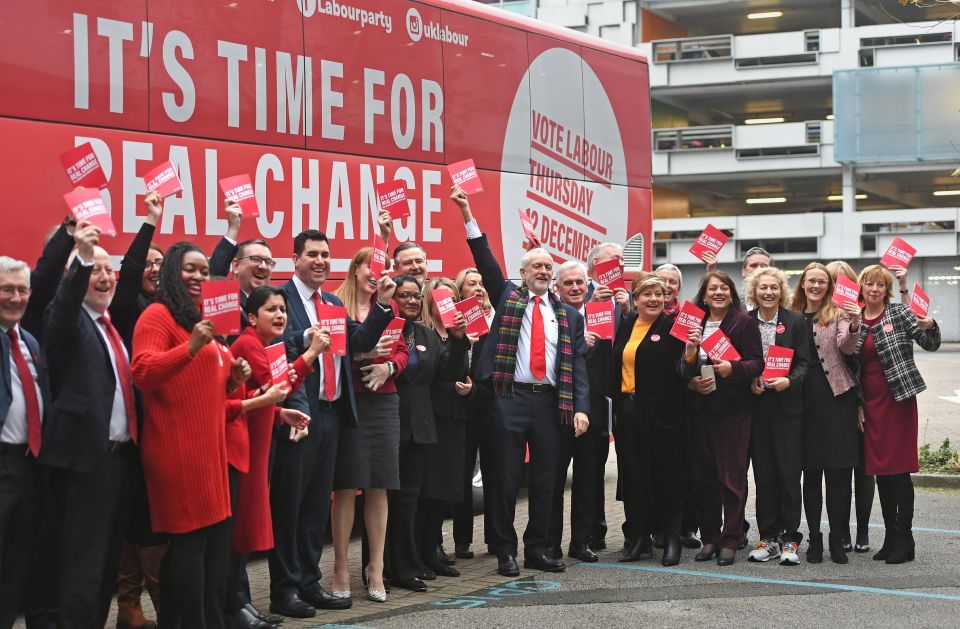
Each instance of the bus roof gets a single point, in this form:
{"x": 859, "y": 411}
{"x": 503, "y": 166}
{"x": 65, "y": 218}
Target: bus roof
{"x": 508, "y": 18}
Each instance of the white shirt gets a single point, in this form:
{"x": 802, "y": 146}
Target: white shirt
{"x": 118, "y": 416}
{"x": 306, "y": 296}
{"x": 551, "y": 333}
{"x": 15, "y": 426}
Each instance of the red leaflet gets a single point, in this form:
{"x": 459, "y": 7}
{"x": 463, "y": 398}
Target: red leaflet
{"x": 221, "y": 305}
{"x": 333, "y": 319}
{"x": 711, "y": 239}
{"x": 600, "y": 318}
{"x": 393, "y": 198}
{"x": 464, "y": 174}
{"x": 239, "y": 189}
{"x": 86, "y": 204}
{"x": 689, "y": 318}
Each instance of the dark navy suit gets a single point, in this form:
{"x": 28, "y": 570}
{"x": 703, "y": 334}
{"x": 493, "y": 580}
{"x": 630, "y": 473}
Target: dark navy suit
{"x": 303, "y": 471}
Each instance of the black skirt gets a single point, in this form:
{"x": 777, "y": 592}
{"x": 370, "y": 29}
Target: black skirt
{"x": 368, "y": 456}
{"x": 831, "y": 436}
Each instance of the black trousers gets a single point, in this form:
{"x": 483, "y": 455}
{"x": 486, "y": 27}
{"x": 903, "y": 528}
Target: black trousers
{"x": 300, "y": 503}
{"x": 193, "y": 578}
{"x": 838, "y": 499}
{"x": 88, "y": 514}
{"x": 777, "y": 466}
{"x": 236, "y": 596}
{"x": 19, "y": 506}
{"x": 429, "y": 528}
{"x": 650, "y": 466}
{"x": 585, "y": 451}
{"x": 896, "y": 502}
{"x": 477, "y": 443}
{"x": 521, "y": 420}
{"x": 402, "y": 555}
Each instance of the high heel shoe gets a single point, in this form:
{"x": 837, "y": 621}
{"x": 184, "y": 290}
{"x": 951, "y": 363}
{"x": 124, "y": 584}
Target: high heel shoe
{"x": 377, "y": 596}
{"x": 671, "y": 552}
{"x": 344, "y": 594}
{"x": 904, "y": 550}
{"x": 639, "y": 549}
{"x": 889, "y": 541}
{"x": 863, "y": 542}
{"x": 706, "y": 553}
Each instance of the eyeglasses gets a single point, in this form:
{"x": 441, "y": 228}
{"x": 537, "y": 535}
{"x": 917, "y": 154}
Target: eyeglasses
{"x": 155, "y": 264}
{"x": 10, "y": 291}
{"x": 413, "y": 296}
{"x": 258, "y": 260}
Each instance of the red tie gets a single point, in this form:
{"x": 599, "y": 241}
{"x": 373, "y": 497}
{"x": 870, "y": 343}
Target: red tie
{"x": 126, "y": 376}
{"x": 326, "y": 361}
{"x": 538, "y": 346}
{"x": 29, "y": 393}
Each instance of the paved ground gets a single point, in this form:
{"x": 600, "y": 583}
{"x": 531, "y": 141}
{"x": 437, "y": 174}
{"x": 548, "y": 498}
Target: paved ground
{"x": 864, "y": 593}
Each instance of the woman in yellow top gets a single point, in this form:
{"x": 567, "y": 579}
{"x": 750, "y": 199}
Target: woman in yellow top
{"x": 650, "y": 368}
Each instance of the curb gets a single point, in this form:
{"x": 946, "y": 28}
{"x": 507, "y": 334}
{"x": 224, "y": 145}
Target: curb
{"x": 941, "y": 481}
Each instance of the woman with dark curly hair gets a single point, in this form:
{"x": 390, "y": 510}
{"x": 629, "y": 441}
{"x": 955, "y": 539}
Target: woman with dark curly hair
{"x": 185, "y": 376}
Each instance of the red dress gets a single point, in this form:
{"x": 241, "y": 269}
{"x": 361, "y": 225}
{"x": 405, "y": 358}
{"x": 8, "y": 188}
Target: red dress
{"x": 252, "y": 525}
{"x": 182, "y": 445}
{"x": 890, "y": 429}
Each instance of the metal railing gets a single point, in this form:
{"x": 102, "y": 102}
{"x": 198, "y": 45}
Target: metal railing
{"x": 717, "y": 137}
{"x": 693, "y": 49}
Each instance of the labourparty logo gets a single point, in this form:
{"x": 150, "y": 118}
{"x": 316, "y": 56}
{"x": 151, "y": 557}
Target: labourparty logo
{"x": 573, "y": 143}
{"x": 414, "y": 24}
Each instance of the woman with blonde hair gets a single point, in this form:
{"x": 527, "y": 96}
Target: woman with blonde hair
{"x": 443, "y": 461}
{"x": 469, "y": 283}
{"x": 831, "y": 441}
{"x": 891, "y": 381}
{"x": 367, "y": 456}
{"x": 863, "y": 486}
{"x": 777, "y": 424}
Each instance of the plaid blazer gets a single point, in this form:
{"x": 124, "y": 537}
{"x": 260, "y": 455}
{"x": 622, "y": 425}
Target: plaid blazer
{"x": 894, "y": 335}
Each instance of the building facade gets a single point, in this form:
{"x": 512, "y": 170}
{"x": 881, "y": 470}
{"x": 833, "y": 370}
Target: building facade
{"x": 817, "y": 129}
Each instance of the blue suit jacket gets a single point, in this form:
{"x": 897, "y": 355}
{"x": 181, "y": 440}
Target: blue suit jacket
{"x": 498, "y": 288}
{"x": 360, "y": 338}
{"x": 6, "y": 378}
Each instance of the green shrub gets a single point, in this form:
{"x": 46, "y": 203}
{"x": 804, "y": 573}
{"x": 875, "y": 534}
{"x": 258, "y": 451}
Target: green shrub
{"x": 943, "y": 460}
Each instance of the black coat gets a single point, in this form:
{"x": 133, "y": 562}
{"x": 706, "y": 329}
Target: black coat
{"x": 417, "y": 424}
{"x": 660, "y": 373}
{"x": 795, "y": 336}
{"x": 45, "y": 278}
{"x": 76, "y": 432}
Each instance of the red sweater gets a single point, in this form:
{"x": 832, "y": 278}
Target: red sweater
{"x": 182, "y": 444}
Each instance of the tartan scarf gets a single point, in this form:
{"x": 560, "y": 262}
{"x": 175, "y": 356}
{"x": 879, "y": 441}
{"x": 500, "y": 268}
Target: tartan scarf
{"x": 505, "y": 355}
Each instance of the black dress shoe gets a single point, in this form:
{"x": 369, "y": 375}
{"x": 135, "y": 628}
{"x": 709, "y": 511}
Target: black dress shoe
{"x": 542, "y": 561}
{"x": 321, "y": 599}
{"x": 441, "y": 556}
{"x": 293, "y": 606}
{"x": 706, "y": 553}
{"x": 726, "y": 557}
{"x": 427, "y": 575}
{"x": 244, "y": 619}
{"x": 639, "y": 549}
{"x": 462, "y": 551}
{"x": 507, "y": 566}
{"x": 582, "y": 552}
{"x": 553, "y": 552}
{"x": 690, "y": 540}
{"x": 671, "y": 552}
{"x": 273, "y": 619}
{"x": 445, "y": 571}
{"x": 414, "y": 585}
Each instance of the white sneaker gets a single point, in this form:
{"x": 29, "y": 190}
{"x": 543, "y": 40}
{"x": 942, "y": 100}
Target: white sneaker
{"x": 766, "y": 550}
{"x": 790, "y": 555}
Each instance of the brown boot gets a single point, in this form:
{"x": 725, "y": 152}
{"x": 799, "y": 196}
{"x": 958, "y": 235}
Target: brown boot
{"x": 150, "y": 559}
{"x": 129, "y": 589}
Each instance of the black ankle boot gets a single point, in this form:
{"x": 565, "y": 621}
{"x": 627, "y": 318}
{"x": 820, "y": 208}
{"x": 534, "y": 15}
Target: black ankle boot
{"x": 904, "y": 549}
{"x": 837, "y": 555}
{"x": 671, "y": 551}
{"x": 889, "y": 541}
{"x": 815, "y": 548}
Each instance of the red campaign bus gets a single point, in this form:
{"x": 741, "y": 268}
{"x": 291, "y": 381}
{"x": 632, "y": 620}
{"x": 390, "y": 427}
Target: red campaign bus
{"x": 318, "y": 101}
